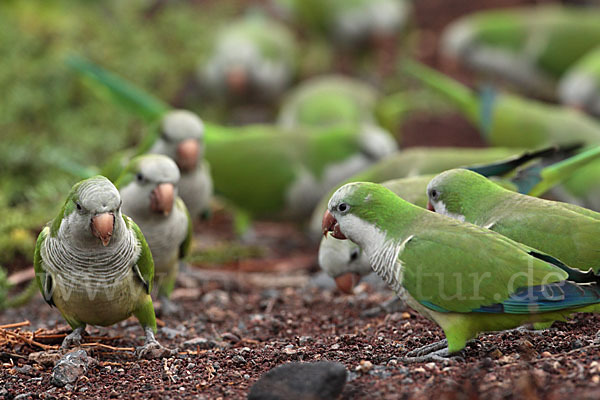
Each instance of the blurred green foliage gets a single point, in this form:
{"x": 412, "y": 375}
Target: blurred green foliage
{"x": 48, "y": 117}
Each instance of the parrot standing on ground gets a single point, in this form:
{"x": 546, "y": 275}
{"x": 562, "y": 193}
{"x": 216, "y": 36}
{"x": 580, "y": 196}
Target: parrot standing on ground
{"x": 580, "y": 85}
{"x": 148, "y": 188}
{"x": 252, "y": 58}
{"x": 465, "y": 278}
{"x": 344, "y": 261}
{"x": 93, "y": 264}
{"x": 530, "y": 47}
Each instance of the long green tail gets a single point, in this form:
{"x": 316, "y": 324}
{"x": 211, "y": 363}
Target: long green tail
{"x": 462, "y": 96}
{"x": 119, "y": 90}
{"x": 557, "y": 173}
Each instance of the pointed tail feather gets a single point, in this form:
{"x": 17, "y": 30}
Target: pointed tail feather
{"x": 536, "y": 180}
{"x": 118, "y": 89}
{"x": 462, "y": 96}
{"x": 504, "y": 167}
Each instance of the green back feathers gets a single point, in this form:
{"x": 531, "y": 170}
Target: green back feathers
{"x": 145, "y": 262}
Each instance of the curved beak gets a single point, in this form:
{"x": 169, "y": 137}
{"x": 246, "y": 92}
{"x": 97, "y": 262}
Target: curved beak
{"x": 162, "y": 198}
{"x": 102, "y": 227}
{"x": 237, "y": 80}
{"x": 187, "y": 154}
{"x": 330, "y": 224}
{"x": 430, "y": 206}
{"x": 346, "y": 282}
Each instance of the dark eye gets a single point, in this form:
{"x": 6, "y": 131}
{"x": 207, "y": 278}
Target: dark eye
{"x": 343, "y": 207}
{"x": 139, "y": 177}
{"x": 433, "y": 193}
{"x": 78, "y": 206}
{"x": 354, "y": 254}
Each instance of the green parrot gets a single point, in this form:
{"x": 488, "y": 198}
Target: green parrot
{"x": 263, "y": 170}
{"x": 580, "y": 85}
{"x": 353, "y": 24}
{"x": 530, "y": 47}
{"x": 566, "y": 231}
{"x": 465, "y": 278}
{"x": 148, "y": 189}
{"x": 328, "y": 100}
{"x": 252, "y": 57}
{"x": 509, "y": 120}
{"x": 417, "y": 161}
{"x": 344, "y": 261}
{"x": 93, "y": 264}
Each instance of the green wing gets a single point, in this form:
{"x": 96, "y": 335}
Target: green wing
{"x": 44, "y": 281}
{"x": 145, "y": 264}
{"x": 186, "y": 245}
{"x": 462, "y": 268}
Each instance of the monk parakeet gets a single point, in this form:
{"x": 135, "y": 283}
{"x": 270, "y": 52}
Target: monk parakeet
{"x": 181, "y": 137}
{"x": 566, "y": 231}
{"x": 580, "y": 85}
{"x": 353, "y": 24}
{"x": 509, "y": 120}
{"x": 93, "y": 264}
{"x": 416, "y": 161}
{"x": 530, "y": 47}
{"x": 252, "y": 57}
{"x": 329, "y": 100}
{"x": 263, "y": 170}
{"x": 149, "y": 187}
{"x": 465, "y": 278}
{"x": 344, "y": 261}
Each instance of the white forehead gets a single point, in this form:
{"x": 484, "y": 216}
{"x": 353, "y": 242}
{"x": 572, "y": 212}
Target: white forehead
{"x": 159, "y": 168}
{"x": 342, "y": 193}
{"x": 98, "y": 191}
{"x": 182, "y": 124}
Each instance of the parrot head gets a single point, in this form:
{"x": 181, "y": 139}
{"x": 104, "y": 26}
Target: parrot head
{"x": 90, "y": 211}
{"x": 450, "y": 192}
{"x": 149, "y": 185}
{"x": 344, "y": 261}
{"x": 364, "y": 213}
{"x": 182, "y": 136}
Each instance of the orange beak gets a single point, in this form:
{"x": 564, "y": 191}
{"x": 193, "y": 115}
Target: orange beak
{"x": 430, "y": 206}
{"x": 347, "y": 281}
{"x": 237, "y": 80}
{"x": 330, "y": 224}
{"x": 102, "y": 227}
{"x": 187, "y": 154}
{"x": 162, "y": 198}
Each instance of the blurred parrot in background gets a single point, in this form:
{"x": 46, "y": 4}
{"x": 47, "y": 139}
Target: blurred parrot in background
{"x": 465, "y": 278}
{"x": 330, "y": 100}
{"x": 509, "y": 120}
{"x": 345, "y": 261}
{"x": 530, "y": 47}
{"x": 149, "y": 191}
{"x": 253, "y": 58}
{"x": 93, "y": 264}
{"x": 264, "y": 170}
{"x": 580, "y": 85}
{"x": 353, "y": 24}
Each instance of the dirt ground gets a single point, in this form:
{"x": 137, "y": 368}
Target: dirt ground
{"x": 240, "y": 318}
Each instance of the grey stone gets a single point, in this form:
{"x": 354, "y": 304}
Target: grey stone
{"x": 69, "y": 368}
{"x": 321, "y": 380}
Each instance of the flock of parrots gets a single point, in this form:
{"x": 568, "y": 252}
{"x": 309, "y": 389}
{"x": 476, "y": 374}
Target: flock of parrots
{"x": 459, "y": 234}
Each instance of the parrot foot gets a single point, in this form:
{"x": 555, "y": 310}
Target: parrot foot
{"x": 440, "y": 355}
{"x": 152, "y": 349}
{"x": 73, "y": 339}
{"x": 428, "y": 348}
